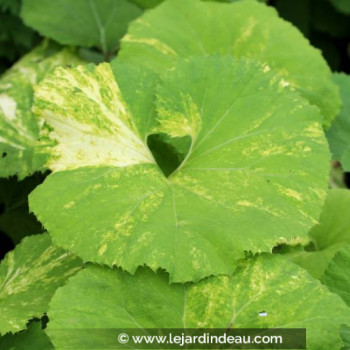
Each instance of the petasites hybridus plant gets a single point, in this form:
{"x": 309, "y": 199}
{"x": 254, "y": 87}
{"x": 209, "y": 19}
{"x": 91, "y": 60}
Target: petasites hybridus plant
{"x": 251, "y": 138}
{"x": 176, "y": 171}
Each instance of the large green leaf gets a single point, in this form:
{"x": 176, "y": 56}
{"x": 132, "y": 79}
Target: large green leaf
{"x": 19, "y": 129}
{"x": 243, "y": 29}
{"x": 103, "y": 298}
{"x": 342, "y": 5}
{"x": 256, "y": 171}
{"x": 99, "y": 23}
{"x": 337, "y": 275}
{"x": 339, "y": 134}
{"x": 328, "y": 237}
{"x": 33, "y": 338}
{"x": 29, "y": 276}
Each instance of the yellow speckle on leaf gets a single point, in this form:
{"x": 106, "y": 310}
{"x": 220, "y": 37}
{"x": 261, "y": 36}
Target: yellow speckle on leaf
{"x": 294, "y": 194}
{"x": 266, "y": 68}
{"x": 314, "y": 130}
{"x": 96, "y": 186}
{"x": 69, "y": 205}
{"x": 155, "y": 43}
{"x": 102, "y": 250}
{"x": 245, "y": 203}
{"x": 283, "y": 83}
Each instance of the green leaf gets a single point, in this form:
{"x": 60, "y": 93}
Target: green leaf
{"x": 138, "y": 85}
{"x": 91, "y": 55}
{"x": 345, "y": 160}
{"x": 19, "y": 129}
{"x": 337, "y": 275}
{"x": 251, "y": 184}
{"x": 342, "y": 5}
{"x": 345, "y": 335}
{"x": 247, "y": 29}
{"x": 33, "y": 338}
{"x": 29, "y": 276}
{"x": 15, "y": 220}
{"x": 339, "y": 133}
{"x": 99, "y": 297}
{"x": 99, "y": 23}
{"x": 328, "y": 237}
{"x": 334, "y": 226}
{"x": 146, "y": 4}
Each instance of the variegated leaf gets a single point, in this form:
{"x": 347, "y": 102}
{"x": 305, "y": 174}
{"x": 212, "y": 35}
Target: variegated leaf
{"x": 256, "y": 171}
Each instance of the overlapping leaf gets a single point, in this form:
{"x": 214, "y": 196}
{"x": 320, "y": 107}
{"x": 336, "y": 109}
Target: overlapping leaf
{"x": 99, "y": 23}
{"x": 19, "y": 129}
{"x": 345, "y": 335}
{"x": 256, "y": 172}
{"x": 288, "y": 294}
{"x": 29, "y": 276}
{"x": 328, "y": 237}
{"x": 185, "y": 28}
{"x": 337, "y": 275}
{"x": 339, "y": 134}
{"x": 33, "y": 338}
